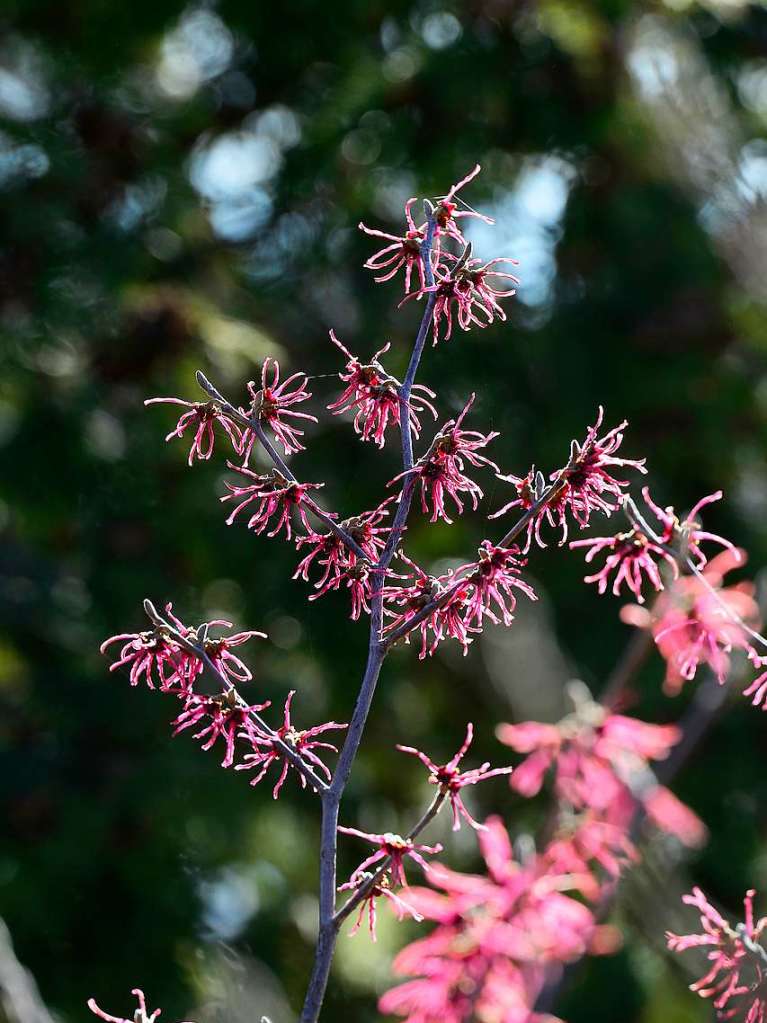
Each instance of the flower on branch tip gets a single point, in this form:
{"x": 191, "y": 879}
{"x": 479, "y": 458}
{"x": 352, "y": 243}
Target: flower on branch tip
{"x": 393, "y": 848}
{"x": 141, "y": 1015}
{"x": 155, "y": 653}
{"x": 451, "y": 779}
{"x": 272, "y": 404}
{"x": 737, "y": 979}
{"x": 304, "y": 741}
{"x": 381, "y": 888}
{"x": 494, "y": 578}
{"x": 223, "y": 717}
{"x": 202, "y": 415}
{"x": 375, "y": 395}
{"x": 531, "y": 490}
{"x": 272, "y": 493}
{"x": 447, "y": 211}
{"x": 441, "y": 470}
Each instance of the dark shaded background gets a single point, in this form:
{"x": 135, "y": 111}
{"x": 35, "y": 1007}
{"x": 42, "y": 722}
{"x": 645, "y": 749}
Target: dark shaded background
{"x": 179, "y": 187}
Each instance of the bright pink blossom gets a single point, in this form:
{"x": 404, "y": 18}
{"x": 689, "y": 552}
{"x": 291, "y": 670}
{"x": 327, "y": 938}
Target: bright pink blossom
{"x": 382, "y": 888}
{"x": 375, "y": 395}
{"x": 468, "y": 291}
{"x": 737, "y": 979}
{"x": 404, "y": 600}
{"x": 155, "y": 653}
{"x": 272, "y": 404}
{"x": 441, "y": 470}
{"x": 632, "y": 556}
{"x": 303, "y": 741}
{"x": 493, "y": 582}
{"x": 272, "y": 494}
{"x": 222, "y": 717}
{"x": 141, "y": 1015}
{"x": 395, "y": 848}
{"x": 450, "y": 778}
{"x": 402, "y": 251}
{"x": 447, "y": 211}
{"x": 529, "y": 490}
{"x": 202, "y": 415}
{"x": 586, "y": 484}
{"x": 220, "y": 652}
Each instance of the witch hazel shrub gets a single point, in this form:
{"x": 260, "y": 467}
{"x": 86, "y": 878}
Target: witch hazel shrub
{"x": 496, "y": 943}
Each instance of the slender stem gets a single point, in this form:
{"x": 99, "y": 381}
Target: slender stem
{"x": 255, "y": 426}
{"x": 361, "y": 893}
{"x": 377, "y": 650}
{"x": 198, "y": 650}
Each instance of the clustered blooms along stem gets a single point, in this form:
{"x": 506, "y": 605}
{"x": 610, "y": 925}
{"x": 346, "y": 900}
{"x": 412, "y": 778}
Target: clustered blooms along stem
{"x": 496, "y": 936}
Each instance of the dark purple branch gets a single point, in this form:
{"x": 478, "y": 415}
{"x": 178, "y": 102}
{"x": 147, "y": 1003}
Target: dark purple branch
{"x": 328, "y": 929}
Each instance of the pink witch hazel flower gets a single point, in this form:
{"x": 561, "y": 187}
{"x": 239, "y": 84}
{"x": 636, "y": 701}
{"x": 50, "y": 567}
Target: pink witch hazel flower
{"x": 452, "y": 780}
{"x": 393, "y": 848}
{"x": 586, "y": 484}
{"x": 272, "y": 404}
{"x": 303, "y": 741}
{"x": 493, "y": 582}
{"x": 404, "y": 600}
{"x": 467, "y": 289}
{"x": 223, "y": 717}
{"x": 737, "y": 979}
{"x": 447, "y": 210}
{"x": 634, "y": 555}
{"x": 202, "y": 416}
{"x": 141, "y": 1015}
{"x": 273, "y": 494}
{"x": 441, "y": 470}
{"x": 374, "y": 394}
{"x": 220, "y": 651}
{"x": 402, "y": 251}
{"x": 380, "y": 888}
{"x": 154, "y": 655}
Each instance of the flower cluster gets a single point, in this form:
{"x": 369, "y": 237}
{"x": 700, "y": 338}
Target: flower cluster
{"x": 455, "y": 605}
{"x": 272, "y": 404}
{"x": 374, "y": 396}
{"x": 495, "y": 937}
{"x": 440, "y": 471}
{"x": 737, "y": 979}
{"x": 174, "y": 656}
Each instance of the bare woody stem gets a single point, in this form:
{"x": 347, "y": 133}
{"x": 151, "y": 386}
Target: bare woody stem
{"x": 377, "y": 650}
{"x": 253, "y": 424}
{"x": 365, "y": 888}
{"x": 198, "y": 650}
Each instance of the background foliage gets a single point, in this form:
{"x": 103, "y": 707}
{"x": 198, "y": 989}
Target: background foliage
{"x": 180, "y": 186}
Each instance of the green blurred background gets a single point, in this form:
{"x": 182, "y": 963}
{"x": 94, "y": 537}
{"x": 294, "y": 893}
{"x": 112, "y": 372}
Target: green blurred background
{"x": 179, "y": 187}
